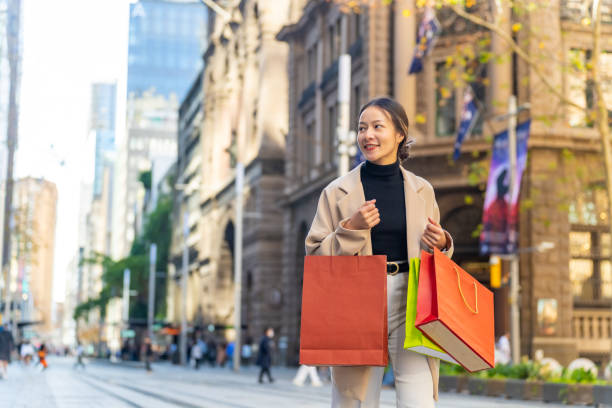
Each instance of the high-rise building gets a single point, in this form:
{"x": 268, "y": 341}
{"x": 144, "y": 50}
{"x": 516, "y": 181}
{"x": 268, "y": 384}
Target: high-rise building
{"x": 10, "y": 78}
{"x": 164, "y": 57}
{"x": 103, "y": 97}
{"x": 165, "y": 45}
{"x": 236, "y": 111}
{"x": 33, "y": 243}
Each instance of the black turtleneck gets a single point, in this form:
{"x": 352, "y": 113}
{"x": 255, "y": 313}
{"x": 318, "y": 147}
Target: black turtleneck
{"x": 385, "y": 183}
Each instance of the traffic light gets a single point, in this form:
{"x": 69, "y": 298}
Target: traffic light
{"x": 495, "y": 269}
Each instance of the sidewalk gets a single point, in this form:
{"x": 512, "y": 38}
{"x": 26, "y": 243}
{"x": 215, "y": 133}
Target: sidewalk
{"x": 128, "y": 385}
{"x": 278, "y": 372}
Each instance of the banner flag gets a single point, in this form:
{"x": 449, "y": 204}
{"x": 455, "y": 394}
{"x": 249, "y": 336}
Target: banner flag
{"x": 469, "y": 115}
{"x": 499, "y": 233}
{"x": 425, "y": 40}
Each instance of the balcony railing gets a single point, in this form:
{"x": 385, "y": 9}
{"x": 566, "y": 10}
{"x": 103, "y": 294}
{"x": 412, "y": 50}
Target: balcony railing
{"x": 575, "y": 11}
{"x": 593, "y": 330}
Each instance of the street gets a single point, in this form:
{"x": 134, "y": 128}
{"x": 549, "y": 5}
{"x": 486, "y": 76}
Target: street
{"x": 108, "y": 385}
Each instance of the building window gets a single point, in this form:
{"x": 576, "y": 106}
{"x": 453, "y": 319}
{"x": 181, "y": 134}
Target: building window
{"x": 332, "y": 44}
{"x": 578, "y": 91}
{"x": 445, "y": 102}
{"x": 580, "y": 85}
{"x": 479, "y": 88}
{"x": 356, "y": 27}
{"x": 590, "y": 268}
{"x": 338, "y": 37}
{"x": 309, "y": 147}
{"x": 334, "y": 32}
{"x": 589, "y": 241}
{"x": 355, "y": 106}
{"x": 331, "y": 133}
{"x": 311, "y": 61}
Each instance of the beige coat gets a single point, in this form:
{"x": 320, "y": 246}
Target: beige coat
{"x": 338, "y": 202}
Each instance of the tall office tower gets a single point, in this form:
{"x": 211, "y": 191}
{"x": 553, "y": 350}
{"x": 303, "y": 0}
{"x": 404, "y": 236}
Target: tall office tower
{"x": 166, "y": 39}
{"x": 11, "y": 41}
{"x": 33, "y": 242}
{"x": 165, "y": 46}
{"x": 103, "y": 96}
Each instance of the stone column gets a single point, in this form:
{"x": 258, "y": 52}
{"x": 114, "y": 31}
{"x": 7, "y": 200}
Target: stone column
{"x": 403, "y": 49}
{"x": 500, "y": 71}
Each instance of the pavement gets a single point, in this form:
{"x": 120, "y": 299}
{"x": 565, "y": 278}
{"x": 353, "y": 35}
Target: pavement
{"x": 118, "y": 385}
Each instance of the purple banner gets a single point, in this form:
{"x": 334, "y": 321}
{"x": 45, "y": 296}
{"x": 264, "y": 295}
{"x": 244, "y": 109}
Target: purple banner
{"x": 500, "y": 214}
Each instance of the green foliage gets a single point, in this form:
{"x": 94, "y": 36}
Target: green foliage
{"x": 158, "y": 230}
{"x": 451, "y": 369}
{"x": 527, "y": 370}
{"x": 100, "y": 302}
{"x": 478, "y": 173}
{"x": 145, "y": 178}
{"x": 476, "y": 233}
{"x": 582, "y": 376}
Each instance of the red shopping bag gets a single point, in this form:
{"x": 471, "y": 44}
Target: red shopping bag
{"x": 456, "y": 312}
{"x": 344, "y": 311}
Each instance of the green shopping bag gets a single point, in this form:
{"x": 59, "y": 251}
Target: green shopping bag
{"x": 415, "y": 340}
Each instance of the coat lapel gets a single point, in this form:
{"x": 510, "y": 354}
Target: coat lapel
{"x": 416, "y": 217}
{"x": 354, "y": 198}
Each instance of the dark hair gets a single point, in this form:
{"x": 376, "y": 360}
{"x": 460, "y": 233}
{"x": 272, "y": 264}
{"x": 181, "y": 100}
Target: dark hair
{"x": 400, "y": 121}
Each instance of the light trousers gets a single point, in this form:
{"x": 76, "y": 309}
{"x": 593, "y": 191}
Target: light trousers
{"x": 413, "y": 382}
{"x": 307, "y": 371}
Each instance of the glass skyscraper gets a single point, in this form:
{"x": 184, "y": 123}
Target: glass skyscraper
{"x": 103, "y": 124}
{"x": 165, "y": 46}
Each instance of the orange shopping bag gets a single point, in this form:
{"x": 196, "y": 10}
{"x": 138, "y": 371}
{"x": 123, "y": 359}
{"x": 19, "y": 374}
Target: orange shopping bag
{"x": 344, "y": 311}
{"x": 456, "y": 312}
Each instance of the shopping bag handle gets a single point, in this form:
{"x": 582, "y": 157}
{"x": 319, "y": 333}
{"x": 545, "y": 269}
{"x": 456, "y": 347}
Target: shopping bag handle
{"x": 463, "y": 297}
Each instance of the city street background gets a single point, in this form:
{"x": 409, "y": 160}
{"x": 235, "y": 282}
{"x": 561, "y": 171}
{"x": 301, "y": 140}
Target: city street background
{"x": 162, "y": 162}
{"x": 103, "y": 384}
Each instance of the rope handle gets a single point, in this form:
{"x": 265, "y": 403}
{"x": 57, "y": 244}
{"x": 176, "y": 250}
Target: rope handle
{"x": 463, "y": 297}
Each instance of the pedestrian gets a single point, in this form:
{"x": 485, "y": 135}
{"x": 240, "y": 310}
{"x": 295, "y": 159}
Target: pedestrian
{"x": 247, "y": 351}
{"x": 212, "y": 351}
{"x": 148, "y": 354}
{"x": 264, "y": 356}
{"x": 304, "y": 372}
{"x": 174, "y": 354}
{"x": 380, "y": 208}
{"x": 502, "y": 350}
{"x": 196, "y": 355}
{"x": 42, "y": 356}
{"x": 79, "y": 357}
{"x": 6, "y": 346}
{"x": 221, "y": 354}
{"x": 229, "y": 353}
{"x": 203, "y": 350}
{"x": 27, "y": 352}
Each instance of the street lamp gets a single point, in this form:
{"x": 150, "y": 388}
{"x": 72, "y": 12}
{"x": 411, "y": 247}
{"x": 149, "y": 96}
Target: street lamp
{"x": 515, "y": 338}
{"x": 184, "y": 275}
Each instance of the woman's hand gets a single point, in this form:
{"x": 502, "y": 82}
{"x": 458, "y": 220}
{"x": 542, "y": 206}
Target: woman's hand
{"x": 434, "y": 235}
{"x": 366, "y": 217}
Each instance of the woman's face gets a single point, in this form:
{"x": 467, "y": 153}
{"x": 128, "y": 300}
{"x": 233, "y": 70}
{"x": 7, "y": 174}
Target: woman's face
{"x": 377, "y": 137}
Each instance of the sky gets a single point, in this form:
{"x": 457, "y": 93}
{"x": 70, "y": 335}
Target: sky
{"x": 67, "y": 46}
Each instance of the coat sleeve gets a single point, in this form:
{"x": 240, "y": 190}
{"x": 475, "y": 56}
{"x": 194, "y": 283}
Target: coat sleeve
{"x": 450, "y": 246}
{"x": 325, "y": 238}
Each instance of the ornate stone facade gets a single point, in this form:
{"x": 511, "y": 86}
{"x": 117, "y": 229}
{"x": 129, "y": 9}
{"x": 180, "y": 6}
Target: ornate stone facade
{"x": 381, "y": 43}
{"x": 244, "y": 112}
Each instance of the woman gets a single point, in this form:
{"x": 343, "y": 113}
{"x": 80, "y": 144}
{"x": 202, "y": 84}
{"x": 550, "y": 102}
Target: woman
{"x": 379, "y": 208}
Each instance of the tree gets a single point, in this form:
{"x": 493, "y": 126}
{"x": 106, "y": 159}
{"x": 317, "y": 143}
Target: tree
{"x": 158, "y": 230}
{"x": 527, "y": 45}
{"x": 492, "y": 23}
